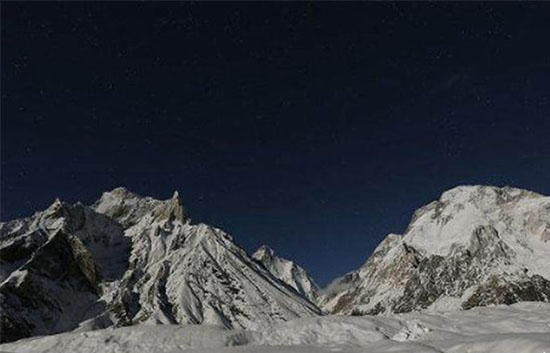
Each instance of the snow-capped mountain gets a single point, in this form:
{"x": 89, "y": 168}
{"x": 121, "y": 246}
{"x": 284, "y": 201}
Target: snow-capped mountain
{"x": 475, "y": 246}
{"x": 128, "y": 260}
{"x": 288, "y": 272}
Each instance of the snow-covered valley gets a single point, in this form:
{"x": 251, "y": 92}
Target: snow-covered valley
{"x": 519, "y": 328}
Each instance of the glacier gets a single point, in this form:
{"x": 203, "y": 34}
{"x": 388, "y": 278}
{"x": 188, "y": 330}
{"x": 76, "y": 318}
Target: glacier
{"x": 522, "y": 327}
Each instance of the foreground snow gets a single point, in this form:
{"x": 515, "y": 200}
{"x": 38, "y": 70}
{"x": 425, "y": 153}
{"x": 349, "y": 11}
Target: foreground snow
{"x": 522, "y": 327}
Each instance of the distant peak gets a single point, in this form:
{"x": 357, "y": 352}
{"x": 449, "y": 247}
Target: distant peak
{"x": 121, "y": 191}
{"x": 176, "y": 198}
{"x": 263, "y": 251}
{"x": 56, "y": 204}
{"x": 117, "y": 195}
{"x": 173, "y": 209}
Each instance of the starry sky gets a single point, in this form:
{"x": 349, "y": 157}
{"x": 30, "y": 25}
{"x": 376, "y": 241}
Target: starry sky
{"x": 316, "y": 128}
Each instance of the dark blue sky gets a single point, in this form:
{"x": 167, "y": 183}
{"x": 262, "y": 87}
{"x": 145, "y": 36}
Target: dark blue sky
{"x": 314, "y": 128}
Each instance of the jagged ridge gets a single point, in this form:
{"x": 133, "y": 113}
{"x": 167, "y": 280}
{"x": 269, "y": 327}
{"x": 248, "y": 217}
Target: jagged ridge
{"x": 133, "y": 259}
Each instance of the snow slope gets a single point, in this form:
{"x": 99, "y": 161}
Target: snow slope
{"x": 131, "y": 260}
{"x": 476, "y": 245}
{"x": 522, "y": 327}
{"x": 288, "y": 272}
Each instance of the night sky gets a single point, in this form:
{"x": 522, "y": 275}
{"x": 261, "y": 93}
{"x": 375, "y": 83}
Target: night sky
{"x": 314, "y": 128}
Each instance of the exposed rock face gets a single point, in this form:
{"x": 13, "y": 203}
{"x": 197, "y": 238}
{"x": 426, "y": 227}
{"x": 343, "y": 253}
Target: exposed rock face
{"x": 129, "y": 260}
{"x": 499, "y": 290}
{"x": 103, "y": 237}
{"x": 477, "y": 245}
{"x": 53, "y": 292}
{"x": 288, "y": 272}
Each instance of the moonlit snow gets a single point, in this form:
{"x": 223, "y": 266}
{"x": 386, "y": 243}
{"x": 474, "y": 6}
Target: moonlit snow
{"x": 519, "y": 328}
{"x": 477, "y": 245}
{"x": 133, "y": 274}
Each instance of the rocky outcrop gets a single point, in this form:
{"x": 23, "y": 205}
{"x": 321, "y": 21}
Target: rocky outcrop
{"x": 497, "y": 290}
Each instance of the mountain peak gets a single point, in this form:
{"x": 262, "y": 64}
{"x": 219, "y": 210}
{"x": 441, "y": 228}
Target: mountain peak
{"x": 128, "y": 208}
{"x": 146, "y": 264}
{"x": 55, "y": 204}
{"x": 121, "y": 192}
{"x": 172, "y": 209}
{"x": 441, "y": 225}
{"x": 466, "y": 193}
{"x": 451, "y": 252}
{"x": 262, "y": 252}
{"x": 288, "y": 272}
{"x": 119, "y": 189}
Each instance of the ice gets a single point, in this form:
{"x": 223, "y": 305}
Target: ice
{"x": 519, "y": 328}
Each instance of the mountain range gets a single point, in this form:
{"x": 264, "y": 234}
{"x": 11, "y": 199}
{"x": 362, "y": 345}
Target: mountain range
{"x": 128, "y": 260}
